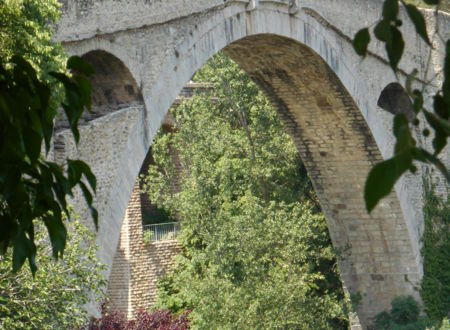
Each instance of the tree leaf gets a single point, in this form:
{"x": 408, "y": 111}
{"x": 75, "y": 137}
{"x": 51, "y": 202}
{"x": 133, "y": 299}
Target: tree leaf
{"x": 76, "y": 63}
{"x": 84, "y": 87}
{"x": 88, "y": 197}
{"x": 419, "y": 22}
{"x": 402, "y": 133}
{"x": 390, "y": 10}
{"x": 23, "y": 248}
{"x": 410, "y": 79}
{"x": 87, "y": 194}
{"x": 62, "y": 188}
{"x": 446, "y": 83}
{"x": 10, "y": 183}
{"x": 418, "y": 101}
{"x": 439, "y": 142}
{"x": 73, "y": 117}
{"x": 441, "y": 108}
{"x": 62, "y": 78}
{"x": 383, "y": 176}
{"x": 437, "y": 123}
{"x": 56, "y": 231}
{"x": 383, "y": 30}
{"x": 395, "y": 47}
{"x": 73, "y": 172}
{"x": 79, "y": 167}
{"x": 33, "y": 142}
{"x": 361, "y": 41}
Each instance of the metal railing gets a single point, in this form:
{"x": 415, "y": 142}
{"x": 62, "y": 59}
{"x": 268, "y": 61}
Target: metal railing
{"x": 161, "y": 231}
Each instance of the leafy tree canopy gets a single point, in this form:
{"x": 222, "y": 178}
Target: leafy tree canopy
{"x": 257, "y": 252}
{"x": 54, "y": 298}
{"x": 33, "y": 189}
{"x": 25, "y": 32}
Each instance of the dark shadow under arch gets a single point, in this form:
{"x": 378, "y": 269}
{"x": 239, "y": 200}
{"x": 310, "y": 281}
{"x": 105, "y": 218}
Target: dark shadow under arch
{"x": 113, "y": 87}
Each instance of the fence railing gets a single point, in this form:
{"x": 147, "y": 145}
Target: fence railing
{"x": 161, "y": 231}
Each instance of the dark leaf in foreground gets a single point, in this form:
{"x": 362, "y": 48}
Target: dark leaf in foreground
{"x": 361, "y": 41}
{"x": 382, "y": 178}
{"x": 419, "y": 21}
{"x": 395, "y": 47}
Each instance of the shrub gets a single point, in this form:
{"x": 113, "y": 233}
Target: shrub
{"x": 383, "y": 321}
{"x": 405, "y": 316}
{"x": 404, "y": 310}
{"x": 435, "y": 289}
{"x": 54, "y": 297}
{"x": 156, "y": 320}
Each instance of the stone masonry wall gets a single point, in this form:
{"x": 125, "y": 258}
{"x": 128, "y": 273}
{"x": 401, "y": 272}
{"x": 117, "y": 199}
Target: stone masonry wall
{"x": 138, "y": 266}
{"x": 119, "y": 284}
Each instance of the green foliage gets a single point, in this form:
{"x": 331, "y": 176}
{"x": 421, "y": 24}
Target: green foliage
{"x": 404, "y": 315}
{"x": 32, "y": 85}
{"x": 26, "y": 31}
{"x": 435, "y": 290}
{"x": 355, "y": 299}
{"x": 54, "y": 298}
{"x": 155, "y": 215}
{"x": 257, "y": 253}
{"x": 147, "y": 236}
{"x": 30, "y": 187}
{"x": 383, "y": 321}
{"x": 361, "y": 41}
{"x": 383, "y": 176}
{"x": 404, "y": 310}
{"x": 445, "y": 325}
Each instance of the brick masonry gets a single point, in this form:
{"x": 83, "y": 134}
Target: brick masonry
{"x": 304, "y": 61}
{"x": 137, "y": 266}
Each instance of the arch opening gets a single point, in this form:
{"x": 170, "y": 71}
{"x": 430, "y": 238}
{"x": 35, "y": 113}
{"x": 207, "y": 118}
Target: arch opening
{"x": 287, "y": 192}
{"x": 338, "y": 150}
{"x": 113, "y": 88}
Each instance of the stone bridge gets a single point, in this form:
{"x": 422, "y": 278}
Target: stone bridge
{"x": 299, "y": 52}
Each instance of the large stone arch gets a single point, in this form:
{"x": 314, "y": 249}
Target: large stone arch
{"x": 307, "y": 66}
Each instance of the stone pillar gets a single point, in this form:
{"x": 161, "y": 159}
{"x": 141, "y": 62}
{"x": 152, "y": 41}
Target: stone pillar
{"x": 119, "y": 284}
{"x": 137, "y": 266}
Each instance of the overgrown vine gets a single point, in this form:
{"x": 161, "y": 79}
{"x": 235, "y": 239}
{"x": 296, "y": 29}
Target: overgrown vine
{"x": 435, "y": 290}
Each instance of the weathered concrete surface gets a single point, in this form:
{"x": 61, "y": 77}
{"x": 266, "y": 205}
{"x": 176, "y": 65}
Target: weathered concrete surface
{"x": 325, "y": 94}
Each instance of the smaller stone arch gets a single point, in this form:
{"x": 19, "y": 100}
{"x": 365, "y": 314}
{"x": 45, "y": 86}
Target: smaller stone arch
{"x": 113, "y": 88}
